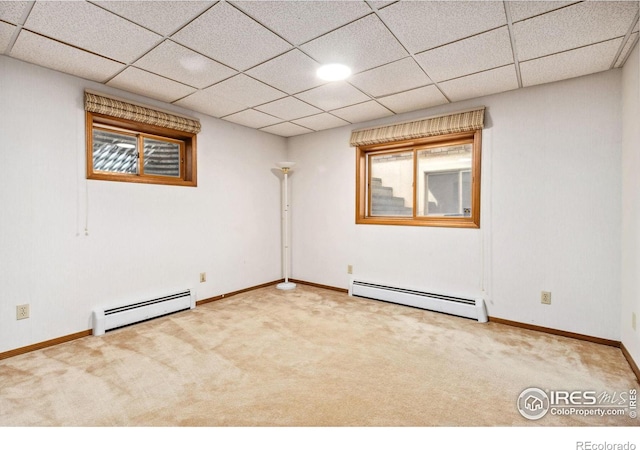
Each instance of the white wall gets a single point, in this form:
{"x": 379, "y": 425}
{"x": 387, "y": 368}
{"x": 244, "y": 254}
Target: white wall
{"x": 551, "y": 212}
{"x": 551, "y": 201}
{"x": 143, "y": 240}
{"x": 631, "y": 204}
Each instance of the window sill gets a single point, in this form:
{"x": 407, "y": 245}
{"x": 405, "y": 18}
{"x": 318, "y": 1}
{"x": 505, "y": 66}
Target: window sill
{"x": 145, "y": 180}
{"x": 446, "y": 222}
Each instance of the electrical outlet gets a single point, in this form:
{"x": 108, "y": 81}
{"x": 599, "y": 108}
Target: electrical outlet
{"x": 349, "y": 269}
{"x": 22, "y": 312}
{"x": 633, "y": 320}
{"x": 203, "y": 277}
{"x": 545, "y": 298}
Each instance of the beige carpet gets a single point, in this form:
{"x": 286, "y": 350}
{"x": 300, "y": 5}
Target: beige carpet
{"x": 308, "y": 357}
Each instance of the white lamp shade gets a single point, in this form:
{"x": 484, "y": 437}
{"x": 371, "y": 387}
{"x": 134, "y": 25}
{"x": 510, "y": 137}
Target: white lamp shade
{"x": 285, "y": 164}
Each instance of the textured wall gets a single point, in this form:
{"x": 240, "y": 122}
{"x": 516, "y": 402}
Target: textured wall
{"x": 143, "y": 240}
{"x": 550, "y": 212}
{"x": 631, "y": 204}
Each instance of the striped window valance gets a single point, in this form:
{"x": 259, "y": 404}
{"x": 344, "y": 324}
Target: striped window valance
{"x": 432, "y": 126}
{"x": 123, "y": 110}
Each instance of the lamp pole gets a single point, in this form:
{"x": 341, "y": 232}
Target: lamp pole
{"x": 285, "y": 167}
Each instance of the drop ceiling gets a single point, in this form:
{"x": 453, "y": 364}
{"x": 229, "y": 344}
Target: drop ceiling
{"x": 253, "y": 62}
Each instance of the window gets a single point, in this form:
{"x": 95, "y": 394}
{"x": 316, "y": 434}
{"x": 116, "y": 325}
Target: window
{"x": 423, "y": 181}
{"x": 139, "y": 146}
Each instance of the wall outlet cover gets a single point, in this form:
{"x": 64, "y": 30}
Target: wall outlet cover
{"x": 545, "y": 298}
{"x": 22, "y": 312}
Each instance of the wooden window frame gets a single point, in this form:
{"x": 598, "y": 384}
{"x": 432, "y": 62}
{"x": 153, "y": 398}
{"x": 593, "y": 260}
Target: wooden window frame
{"x": 187, "y": 141}
{"x": 363, "y": 181}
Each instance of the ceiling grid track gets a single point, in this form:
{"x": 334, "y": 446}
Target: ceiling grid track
{"x": 624, "y": 41}
{"x": 19, "y": 27}
{"x": 514, "y": 49}
{"x": 413, "y": 56}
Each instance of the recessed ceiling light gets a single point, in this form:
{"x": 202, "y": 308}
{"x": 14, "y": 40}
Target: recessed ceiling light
{"x": 333, "y": 72}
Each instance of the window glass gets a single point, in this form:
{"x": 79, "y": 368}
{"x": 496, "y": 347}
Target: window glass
{"x": 391, "y": 184}
{"x": 161, "y": 158}
{"x": 444, "y": 180}
{"x": 114, "y": 152}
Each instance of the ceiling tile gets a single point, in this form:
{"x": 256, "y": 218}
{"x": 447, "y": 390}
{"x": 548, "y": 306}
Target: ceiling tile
{"x": 406, "y": 55}
{"x": 246, "y": 91}
{"x": 45, "y": 52}
{"x": 145, "y": 83}
{"x": 212, "y": 102}
{"x": 361, "y": 45}
{"x": 286, "y": 129}
{"x": 232, "y": 38}
{"x": 174, "y": 61}
{"x": 299, "y": 22}
{"x": 292, "y": 72}
{"x": 252, "y": 118}
{"x": 289, "y": 108}
{"x": 333, "y": 96}
{"x": 480, "y": 84}
{"x": 569, "y": 64}
{"x": 423, "y": 25}
{"x": 231, "y": 96}
{"x": 322, "y": 121}
{"x": 627, "y": 48}
{"x": 94, "y": 29}
{"x": 574, "y": 26}
{"x": 521, "y": 10}
{"x": 421, "y": 98}
{"x": 12, "y": 11}
{"x": 362, "y": 112}
{"x": 468, "y": 55}
{"x": 406, "y": 74}
{"x": 163, "y": 17}
{"x": 6, "y": 34}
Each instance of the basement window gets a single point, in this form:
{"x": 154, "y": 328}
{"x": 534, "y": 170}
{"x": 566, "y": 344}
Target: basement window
{"x": 130, "y": 143}
{"x": 426, "y": 180}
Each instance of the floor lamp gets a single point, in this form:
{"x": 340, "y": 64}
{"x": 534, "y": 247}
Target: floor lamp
{"x": 285, "y": 167}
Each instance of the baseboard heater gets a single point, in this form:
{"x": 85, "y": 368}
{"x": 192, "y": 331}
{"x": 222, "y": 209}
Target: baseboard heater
{"x": 473, "y": 309}
{"x": 109, "y": 319}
